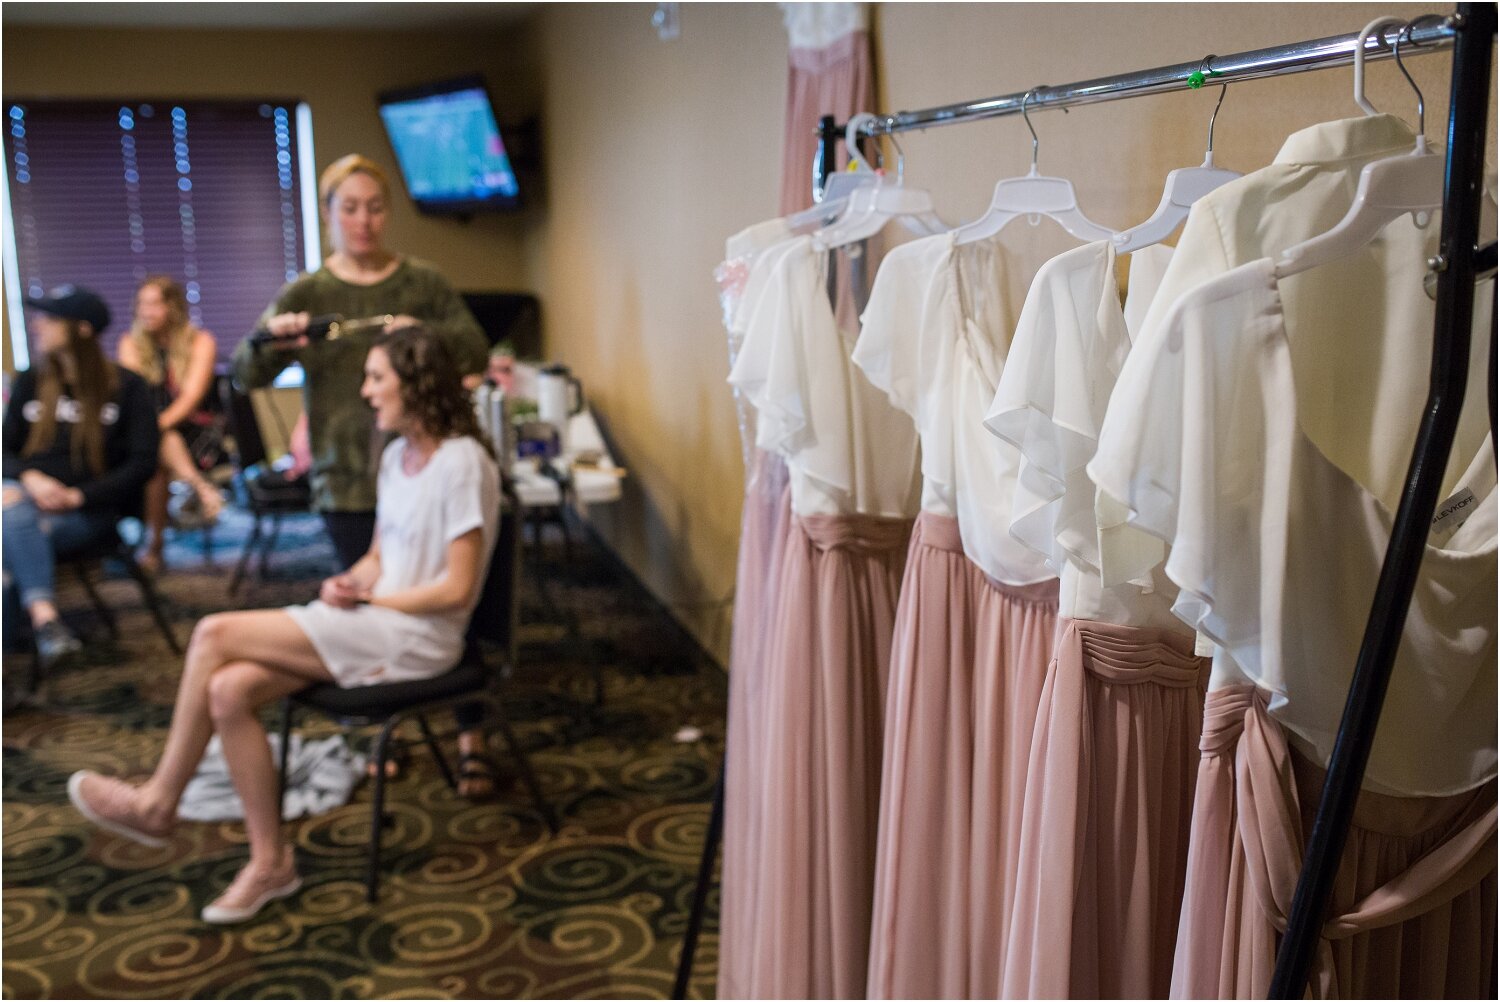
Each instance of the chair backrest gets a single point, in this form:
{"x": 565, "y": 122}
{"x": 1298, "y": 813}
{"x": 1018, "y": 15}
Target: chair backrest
{"x": 266, "y": 490}
{"x": 239, "y": 414}
{"x": 497, "y": 614}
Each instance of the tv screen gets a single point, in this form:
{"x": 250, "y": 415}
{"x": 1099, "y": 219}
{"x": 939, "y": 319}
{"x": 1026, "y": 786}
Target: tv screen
{"x": 449, "y": 148}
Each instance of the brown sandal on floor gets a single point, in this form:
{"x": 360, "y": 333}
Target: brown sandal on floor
{"x": 479, "y": 778}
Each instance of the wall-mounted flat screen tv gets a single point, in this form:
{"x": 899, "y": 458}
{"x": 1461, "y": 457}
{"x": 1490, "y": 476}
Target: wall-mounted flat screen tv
{"x": 449, "y": 147}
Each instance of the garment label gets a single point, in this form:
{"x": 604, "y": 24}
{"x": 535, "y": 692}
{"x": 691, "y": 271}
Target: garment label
{"x": 1203, "y": 646}
{"x": 1452, "y": 513}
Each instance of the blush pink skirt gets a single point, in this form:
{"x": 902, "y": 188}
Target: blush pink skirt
{"x": 818, "y": 771}
{"x": 1413, "y": 909}
{"x": 765, "y": 527}
{"x": 967, "y": 671}
{"x": 1109, "y": 798}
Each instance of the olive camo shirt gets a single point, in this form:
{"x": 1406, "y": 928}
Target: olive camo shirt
{"x": 341, "y": 428}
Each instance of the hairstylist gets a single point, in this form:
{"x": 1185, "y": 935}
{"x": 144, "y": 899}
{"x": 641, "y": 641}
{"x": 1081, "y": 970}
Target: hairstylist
{"x": 361, "y": 278}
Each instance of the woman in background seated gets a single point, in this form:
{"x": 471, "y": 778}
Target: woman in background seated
{"x": 398, "y": 614}
{"x": 80, "y": 443}
{"x": 177, "y": 360}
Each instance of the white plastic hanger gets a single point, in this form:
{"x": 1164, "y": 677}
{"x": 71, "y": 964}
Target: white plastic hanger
{"x": 1032, "y": 195}
{"x": 870, "y": 208}
{"x": 1184, "y": 186}
{"x": 1388, "y": 189}
{"x": 835, "y": 203}
{"x": 1380, "y": 23}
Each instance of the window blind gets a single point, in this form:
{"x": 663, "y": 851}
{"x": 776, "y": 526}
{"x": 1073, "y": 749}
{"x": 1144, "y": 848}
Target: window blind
{"x": 104, "y": 193}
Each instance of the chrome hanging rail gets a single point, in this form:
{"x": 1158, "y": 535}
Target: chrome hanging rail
{"x": 1432, "y": 33}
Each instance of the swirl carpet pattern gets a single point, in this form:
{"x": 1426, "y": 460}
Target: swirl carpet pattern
{"x": 478, "y": 900}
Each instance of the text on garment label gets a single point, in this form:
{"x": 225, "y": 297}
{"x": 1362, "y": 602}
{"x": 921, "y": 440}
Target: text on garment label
{"x": 1452, "y": 513}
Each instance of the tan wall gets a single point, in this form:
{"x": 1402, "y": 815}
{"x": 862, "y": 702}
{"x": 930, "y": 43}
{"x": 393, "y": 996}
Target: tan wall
{"x": 658, "y": 150}
{"x": 655, "y": 152}
{"x": 338, "y": 73}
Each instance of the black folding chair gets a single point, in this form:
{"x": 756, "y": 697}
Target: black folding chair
{"x": 84, "y": 563}
{"x": 267, "y": 494}
{"x": 470, "y": 681}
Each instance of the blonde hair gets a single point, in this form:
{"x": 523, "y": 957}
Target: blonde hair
{"x": 180, "y": 333}
{"x": 340, "y": 170}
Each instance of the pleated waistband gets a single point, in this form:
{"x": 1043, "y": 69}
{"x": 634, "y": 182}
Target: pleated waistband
{"x": 1224, "y": 714}
{"x": 1135, "y": 654}
{"x": 870, "y": 533}
{"x": 844, "y": 49}
{"x": 1273, "y": 798}
{"x": 940, "y": 532}
{"x": 1230, "y": 713}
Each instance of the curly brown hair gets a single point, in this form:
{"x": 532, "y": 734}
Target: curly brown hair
{"x": 432, "y": 390}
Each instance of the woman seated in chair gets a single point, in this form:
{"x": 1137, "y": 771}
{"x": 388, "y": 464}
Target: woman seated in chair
{"x": 398, "y": 614}
{"x": 80, "y": 443}
{"x": 177, "y": 360}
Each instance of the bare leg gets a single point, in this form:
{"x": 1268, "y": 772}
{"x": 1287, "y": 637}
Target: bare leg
{"x": 268, "y": 637}
{"x": 156, "y": 518}
{"x": 237, "y": 662}
{"x": 235, "y": 694}
{"x": 176, "y": 457}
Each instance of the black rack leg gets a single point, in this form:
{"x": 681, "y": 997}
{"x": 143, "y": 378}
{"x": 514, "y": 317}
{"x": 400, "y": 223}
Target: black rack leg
{"x": 711, "y": 840}
{"x": 1468, "y": 119}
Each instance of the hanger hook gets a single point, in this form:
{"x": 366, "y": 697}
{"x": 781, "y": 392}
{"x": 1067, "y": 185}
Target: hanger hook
{"x": 1035, "y": 143}
{"x": 900, "y": 159}
{"x": 1377, "y": 28}
{"x": 1206, "y": 69}
{"x": 851, "y": 137}
{"x": 1421, "y": 102}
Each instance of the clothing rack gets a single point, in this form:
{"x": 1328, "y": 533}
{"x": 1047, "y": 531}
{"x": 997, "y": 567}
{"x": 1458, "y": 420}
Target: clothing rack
{"x": 1430, "y": 33}
{"x": 1470, "y": 30}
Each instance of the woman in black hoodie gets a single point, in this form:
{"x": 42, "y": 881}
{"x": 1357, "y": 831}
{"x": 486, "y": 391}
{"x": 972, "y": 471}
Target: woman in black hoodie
{"x": 80, "y": 442}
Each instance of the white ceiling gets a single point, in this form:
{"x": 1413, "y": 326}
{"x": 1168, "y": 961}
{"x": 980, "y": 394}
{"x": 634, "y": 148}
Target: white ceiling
{"x": 373, "y": 16}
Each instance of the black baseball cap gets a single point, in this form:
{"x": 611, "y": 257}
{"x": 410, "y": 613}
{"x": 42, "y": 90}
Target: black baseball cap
{"x": 73, "y": 302}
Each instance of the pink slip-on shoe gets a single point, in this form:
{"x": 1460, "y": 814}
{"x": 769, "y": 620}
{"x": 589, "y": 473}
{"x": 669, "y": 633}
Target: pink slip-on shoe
{"x": 110, "y": 804}
{"x": 250, "y": 892}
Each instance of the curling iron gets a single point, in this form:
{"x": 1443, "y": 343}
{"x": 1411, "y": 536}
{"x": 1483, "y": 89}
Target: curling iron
{"x": 326, "y": 327}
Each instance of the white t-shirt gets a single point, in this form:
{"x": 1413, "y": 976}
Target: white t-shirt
{"x": 1277, "y": 547}
{"x": 1068, "y": 350}
{"x": 936, "y": 335}
{"x": 847, "y": 450}
{"x": 418, "y": 515}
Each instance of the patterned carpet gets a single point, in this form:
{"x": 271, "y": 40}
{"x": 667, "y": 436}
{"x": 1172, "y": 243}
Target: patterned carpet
{"x": 478, "y": 900}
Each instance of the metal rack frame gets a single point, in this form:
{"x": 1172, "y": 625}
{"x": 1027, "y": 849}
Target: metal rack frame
{"x": 1470, "y": 30}
{"x": 1436, "y": 32}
